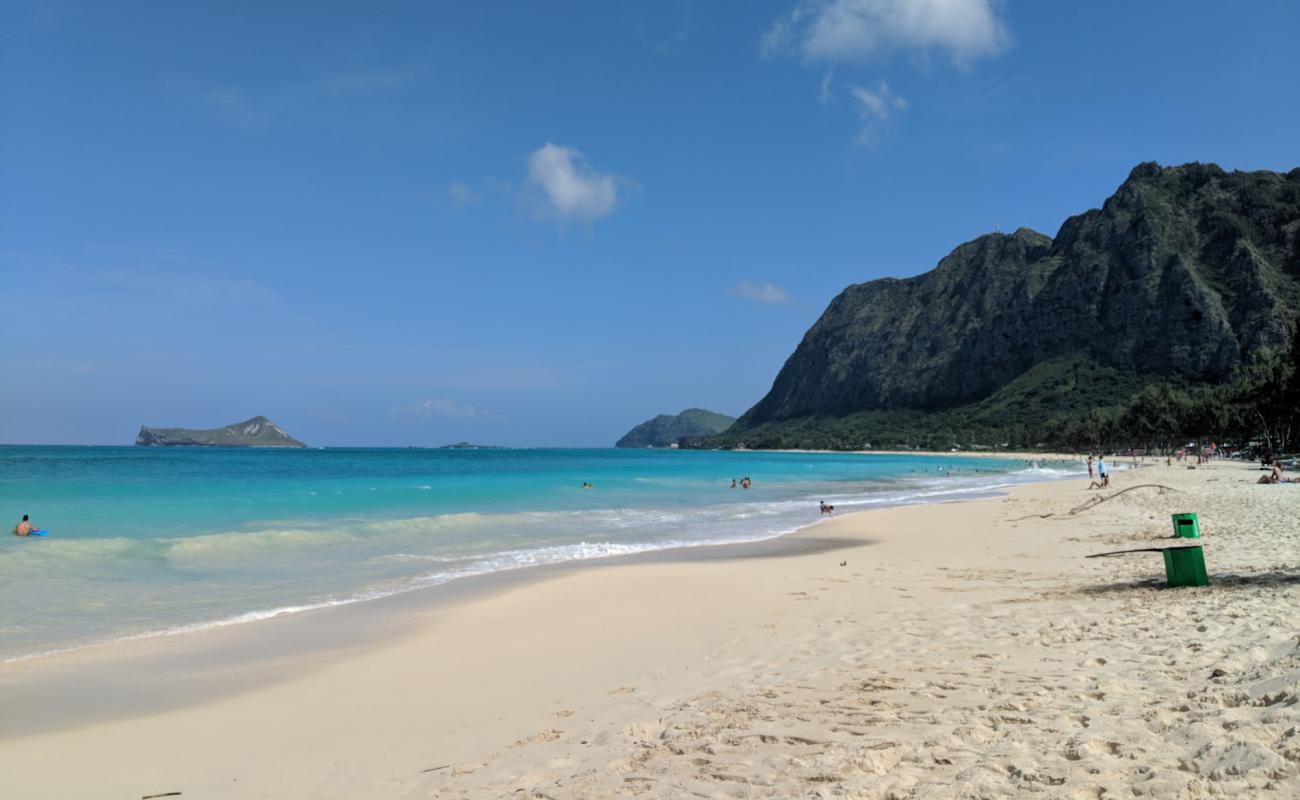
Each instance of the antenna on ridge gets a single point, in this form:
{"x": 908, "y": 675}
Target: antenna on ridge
{"x": 996, "y": 228}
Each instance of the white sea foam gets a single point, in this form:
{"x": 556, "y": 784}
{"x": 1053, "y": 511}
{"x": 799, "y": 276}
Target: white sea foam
{"x": 420, "y": 552}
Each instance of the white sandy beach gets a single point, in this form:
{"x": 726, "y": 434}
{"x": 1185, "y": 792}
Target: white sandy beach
{"x": 963, "y": 650}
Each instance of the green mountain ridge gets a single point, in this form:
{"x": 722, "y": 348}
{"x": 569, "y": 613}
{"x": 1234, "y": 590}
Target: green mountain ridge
{"x": 1180, "y": 277}
{"x": 665, "y": 430}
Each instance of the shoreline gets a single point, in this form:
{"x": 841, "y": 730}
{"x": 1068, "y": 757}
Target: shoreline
{"x": 918, "y": 496}
{"x": 1009, "y": 455}
{"x": 940, "y": 638}
{"x": 268, "y": 647}
{"x": 216, "y": 662}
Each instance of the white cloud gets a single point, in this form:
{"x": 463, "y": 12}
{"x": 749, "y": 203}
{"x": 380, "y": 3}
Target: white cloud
{"x": 564, "y": 186}
{"x": 462, "y": 195}
{"x": 781, "y": 36}
{"x": 844, "y": 30}
{"x": 826, "y": 95}
{"x": 443, "y": 407}
{"x": 761, "y": 292}
{"x": 874, "y": 106}
{"x": 877, "y": 103}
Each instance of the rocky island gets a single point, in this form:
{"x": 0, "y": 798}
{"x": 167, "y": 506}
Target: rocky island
{"x": 256, "y": 432}
{"x": 666, "y": 431}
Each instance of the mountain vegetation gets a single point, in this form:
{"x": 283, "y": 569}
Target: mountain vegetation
{"x": 255, "y": 432}
{"x": 1167, "y": 313}
{"x": 665, "y": 430}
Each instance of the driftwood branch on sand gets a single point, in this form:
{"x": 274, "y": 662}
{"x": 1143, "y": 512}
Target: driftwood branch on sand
{"x": 1096, "y": 501}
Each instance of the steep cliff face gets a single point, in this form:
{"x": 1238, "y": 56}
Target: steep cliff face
{"x": 1182, "y": 273}
{"x": 665, "y": 430}
{"x": 255, "y": 432}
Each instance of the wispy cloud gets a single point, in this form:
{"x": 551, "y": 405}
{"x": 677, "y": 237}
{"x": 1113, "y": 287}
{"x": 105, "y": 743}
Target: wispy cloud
{"x": 244, "y": 107}
{"x": 365, "y": 81}
{"x": 761, "y": 292}
{"x": 877, "y": 103}
{"x": 462, "y": 195}
{"x": 875, "y": 106}
{"x": 826, "y": 94}
{"x": 234, "y": 107}
{"x": 124, "y": 277}
{"x": 439, "y": 407}
{"x": 684, "y": 29}
{"x": 846, "y": 30}
{"x": 663, "y": 31}
{"x": 562, "y": 185}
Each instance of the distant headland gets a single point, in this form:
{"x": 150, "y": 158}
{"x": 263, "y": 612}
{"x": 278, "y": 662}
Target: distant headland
{"x": 666, "y": 431}
{"x": 256, "y": 432}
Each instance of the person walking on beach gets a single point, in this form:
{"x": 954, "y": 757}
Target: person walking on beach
{"x": 1090, "y": 466}
{"x": 24, "y": 528}
{"x": 1102, "y": 480}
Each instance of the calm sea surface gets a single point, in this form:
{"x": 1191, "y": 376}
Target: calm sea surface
{"x": 150, "y": 541}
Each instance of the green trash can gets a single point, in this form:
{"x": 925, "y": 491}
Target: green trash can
{"x": 1185, "y": 566}
{"x": 1187, "y": 526}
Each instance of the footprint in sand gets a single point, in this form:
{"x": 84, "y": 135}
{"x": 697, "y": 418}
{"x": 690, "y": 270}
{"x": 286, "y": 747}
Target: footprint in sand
{"x": 624, "y": 690}
{"x": 548, "y": 735}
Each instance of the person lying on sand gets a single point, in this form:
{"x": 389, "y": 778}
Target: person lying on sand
{"x": 24, "y": 528}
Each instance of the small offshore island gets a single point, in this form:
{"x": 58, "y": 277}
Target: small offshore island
{"x": 256, "y": 432}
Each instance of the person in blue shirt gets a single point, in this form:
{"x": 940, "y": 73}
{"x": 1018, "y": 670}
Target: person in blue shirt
{"x": 1103, "y": 475}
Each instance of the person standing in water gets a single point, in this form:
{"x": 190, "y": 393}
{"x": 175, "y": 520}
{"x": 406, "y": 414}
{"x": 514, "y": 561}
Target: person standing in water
{"x": 24, "y": 528}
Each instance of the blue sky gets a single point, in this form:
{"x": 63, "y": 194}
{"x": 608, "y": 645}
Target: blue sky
{"x": 541, "y": 223}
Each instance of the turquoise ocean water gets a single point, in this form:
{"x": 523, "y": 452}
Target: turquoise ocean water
{"x": 148, "y": 541}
